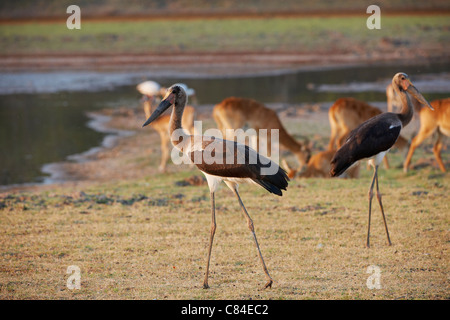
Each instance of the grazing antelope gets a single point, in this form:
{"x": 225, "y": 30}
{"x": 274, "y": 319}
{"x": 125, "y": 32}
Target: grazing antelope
{"x": 151, "y": 91}
{"x": 348, "y": 113}
{"x": 235, "y": 113}
{"x": 374, "y": 137}
{"x": 319, "y": 166}
{"x": 431, "y": 121}
{"x": 221, "y": 160}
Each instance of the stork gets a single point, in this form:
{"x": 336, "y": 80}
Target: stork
{"x": 374, "y": 137}
{"x": 221, "y": 160}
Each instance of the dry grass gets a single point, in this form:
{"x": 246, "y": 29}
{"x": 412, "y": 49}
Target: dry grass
{"x": 146, "y": 238}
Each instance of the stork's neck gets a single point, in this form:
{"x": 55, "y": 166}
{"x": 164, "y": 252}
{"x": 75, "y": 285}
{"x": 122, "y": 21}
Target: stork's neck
{"x": 177, "y": 134}
{"x": 407, "y": 111}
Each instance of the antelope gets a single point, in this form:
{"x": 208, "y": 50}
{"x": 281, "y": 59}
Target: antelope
{"x": 212, "y": 156}
{"x": 235, "y": 113}
{"x": 430, "y": 121}
{"x": 151, "y": 92}
{"x": 348, "y": 113}
{"x": 374, "y": 138}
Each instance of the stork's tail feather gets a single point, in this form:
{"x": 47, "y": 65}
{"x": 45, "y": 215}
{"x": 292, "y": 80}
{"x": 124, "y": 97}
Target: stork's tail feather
{"x": 269, "y": 187}
{"x": 339, "y": 163}
{"x": 274, "y": 183}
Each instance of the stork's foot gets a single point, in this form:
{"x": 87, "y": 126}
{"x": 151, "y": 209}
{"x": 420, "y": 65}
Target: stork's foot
{"x": 205, "y": 285}
{"x": 268, "y": 284}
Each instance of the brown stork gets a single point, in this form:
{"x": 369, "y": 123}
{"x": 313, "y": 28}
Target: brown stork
{"x": 374, "y": 137}
{"x": 221, "y": 160}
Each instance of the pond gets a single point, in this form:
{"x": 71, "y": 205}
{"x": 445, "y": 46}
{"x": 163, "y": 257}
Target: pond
{"x": 43, "y": 115}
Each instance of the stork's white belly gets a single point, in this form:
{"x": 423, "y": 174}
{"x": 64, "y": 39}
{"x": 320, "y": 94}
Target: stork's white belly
{"x": 376, "y": 159}
{"x": 214, "y": 181}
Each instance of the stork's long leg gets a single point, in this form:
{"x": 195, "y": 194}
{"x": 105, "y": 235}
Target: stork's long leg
{"x": 370, "y": 203}
{"x": 252, "y": 229}
{"x": 382, "y": 211}
{"x": 213, "y": 231}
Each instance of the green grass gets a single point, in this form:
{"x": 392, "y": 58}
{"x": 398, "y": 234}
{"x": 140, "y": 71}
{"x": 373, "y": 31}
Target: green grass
{"x": 313, "y": 34}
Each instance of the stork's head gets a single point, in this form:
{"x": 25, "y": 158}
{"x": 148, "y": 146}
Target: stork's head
{"x": 175, "y": 95}
{"x": 402, "y": 83}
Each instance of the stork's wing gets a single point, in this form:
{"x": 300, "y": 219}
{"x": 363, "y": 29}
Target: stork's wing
{"x": 230, "y": 159}
{"x": 373, "y": 136}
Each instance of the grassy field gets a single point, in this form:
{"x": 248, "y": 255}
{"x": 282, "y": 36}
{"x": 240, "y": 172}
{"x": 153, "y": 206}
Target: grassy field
{"x": 288, "y": 34}
{"x": 147, "y": 238}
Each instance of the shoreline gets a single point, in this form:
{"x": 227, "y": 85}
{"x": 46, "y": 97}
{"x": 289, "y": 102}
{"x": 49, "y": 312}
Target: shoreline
{"x": 97, "y": 122}
{"x": 57, "y": 171}
{"x": 209, "y": 64}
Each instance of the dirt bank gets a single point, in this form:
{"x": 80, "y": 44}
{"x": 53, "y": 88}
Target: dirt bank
{"x": 231, "y": 63}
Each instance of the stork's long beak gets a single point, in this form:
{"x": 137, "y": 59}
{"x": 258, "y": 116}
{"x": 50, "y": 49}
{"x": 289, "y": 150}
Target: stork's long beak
{"x": 163, "y": 106}
{"x": 417, "y": 95}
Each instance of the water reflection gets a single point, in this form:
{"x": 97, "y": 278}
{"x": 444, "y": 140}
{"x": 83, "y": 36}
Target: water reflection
{"x": 39, "y": 128}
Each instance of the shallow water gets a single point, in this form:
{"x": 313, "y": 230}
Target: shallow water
{"x": 43, "y": 115}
